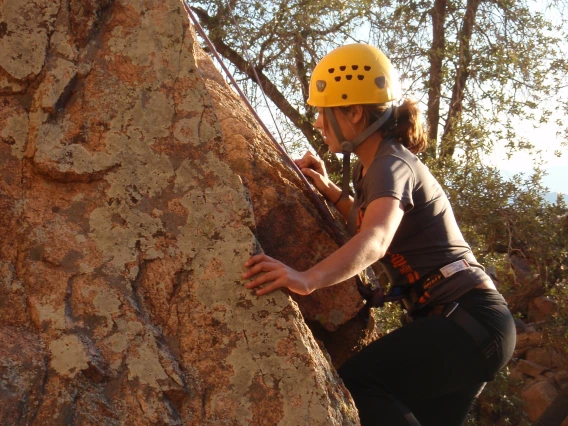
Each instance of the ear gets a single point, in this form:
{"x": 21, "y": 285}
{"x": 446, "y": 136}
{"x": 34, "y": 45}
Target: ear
{"x": 357, "y": 114}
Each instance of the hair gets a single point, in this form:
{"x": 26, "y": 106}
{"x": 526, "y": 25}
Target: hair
{"x": 405, "y": 124}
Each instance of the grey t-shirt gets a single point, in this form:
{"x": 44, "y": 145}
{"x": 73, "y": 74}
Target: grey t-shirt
{"x": 428, "y": 236}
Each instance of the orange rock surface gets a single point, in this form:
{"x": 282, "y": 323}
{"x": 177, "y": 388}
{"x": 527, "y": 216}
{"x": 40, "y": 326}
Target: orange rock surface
{"x": 126, "y": 217}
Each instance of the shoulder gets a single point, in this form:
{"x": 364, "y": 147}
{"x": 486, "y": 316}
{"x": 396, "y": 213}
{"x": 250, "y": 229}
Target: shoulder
{"x": 393, "y": 159}
{"x": 389, "y": 148}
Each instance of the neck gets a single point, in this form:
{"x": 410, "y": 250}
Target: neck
{"x": 367, "y": 150}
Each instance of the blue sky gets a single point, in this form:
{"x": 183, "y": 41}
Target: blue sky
{"x": 555, "y": 181}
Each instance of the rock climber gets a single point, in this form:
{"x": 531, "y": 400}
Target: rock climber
{"x": 459, "y": 331}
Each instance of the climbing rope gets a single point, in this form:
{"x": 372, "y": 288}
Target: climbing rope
{"x": 257, "y": 78}
{"x": 338, "y": 235}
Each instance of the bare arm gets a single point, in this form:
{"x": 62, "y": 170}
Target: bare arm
{"x": 380, "y": 223}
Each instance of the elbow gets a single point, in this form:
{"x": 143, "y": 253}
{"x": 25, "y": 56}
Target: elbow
{"x": 376, "y": 247}
{"x": 378, "y": 253}
{"x": 376, "y": 250}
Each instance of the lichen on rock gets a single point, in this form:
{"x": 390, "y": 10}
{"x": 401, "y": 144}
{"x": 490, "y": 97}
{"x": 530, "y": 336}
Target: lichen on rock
{"x": 126, "y": 223}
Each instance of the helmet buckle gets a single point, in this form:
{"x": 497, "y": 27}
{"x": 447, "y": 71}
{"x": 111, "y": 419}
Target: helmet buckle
{"x": 347, "y": 147}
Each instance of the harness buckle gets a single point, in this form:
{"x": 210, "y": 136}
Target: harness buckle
{"x": 451, "y": 268}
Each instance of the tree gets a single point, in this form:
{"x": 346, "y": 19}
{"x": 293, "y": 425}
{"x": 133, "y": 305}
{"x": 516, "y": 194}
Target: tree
{"x": 280, "y": 42}
{"x": 486, "y": 66}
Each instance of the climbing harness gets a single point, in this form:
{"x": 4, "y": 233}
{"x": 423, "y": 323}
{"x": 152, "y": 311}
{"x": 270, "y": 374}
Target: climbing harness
{"x": 419, "y": 293}
{"x": 337, "y": 234}
{"x": 416, "y": 295}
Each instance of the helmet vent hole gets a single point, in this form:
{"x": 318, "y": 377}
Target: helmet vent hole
{"x": 342, "y": 67}
{"x": 367, "y": 68}
{"x": 320, "y": 85}
{"x": 360, "y": 77}
{"x": 331, "y": 70}
{"x": 380, "y": 82}
{"x": 348, "y": 76}
{"x": 338, "y": 78}
{"x": 344, "y": 96}
{"x": 354, "y": 67}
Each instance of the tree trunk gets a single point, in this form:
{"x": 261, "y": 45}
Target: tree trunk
{"x": 462, "y": 74}
{"x": 435, "y": 84}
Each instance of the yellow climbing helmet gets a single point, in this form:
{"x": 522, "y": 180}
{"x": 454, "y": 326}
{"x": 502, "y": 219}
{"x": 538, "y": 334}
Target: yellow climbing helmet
{"x": 354, "y": 74}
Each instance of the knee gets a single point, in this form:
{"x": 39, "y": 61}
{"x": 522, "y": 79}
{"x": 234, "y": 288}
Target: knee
{"x": 358, "y": 381}
{"x": 351, "y": 374}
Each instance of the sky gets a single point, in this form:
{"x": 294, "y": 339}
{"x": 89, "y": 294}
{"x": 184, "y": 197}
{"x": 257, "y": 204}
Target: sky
{"x": 556, "y": 179}
{"x": 556, "y": 167}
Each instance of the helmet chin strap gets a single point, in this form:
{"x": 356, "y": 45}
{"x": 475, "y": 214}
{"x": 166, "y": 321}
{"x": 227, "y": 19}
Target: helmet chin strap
{"x": 347, "y": 147}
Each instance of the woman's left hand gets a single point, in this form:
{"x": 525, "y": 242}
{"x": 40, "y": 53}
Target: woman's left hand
{"x": 276, "y": 274}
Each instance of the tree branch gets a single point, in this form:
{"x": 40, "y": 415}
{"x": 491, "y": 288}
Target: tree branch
{"x": 333, "y": 165}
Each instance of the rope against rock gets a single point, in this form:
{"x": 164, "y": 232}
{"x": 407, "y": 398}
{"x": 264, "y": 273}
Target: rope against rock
{"x": 338, "y": 236}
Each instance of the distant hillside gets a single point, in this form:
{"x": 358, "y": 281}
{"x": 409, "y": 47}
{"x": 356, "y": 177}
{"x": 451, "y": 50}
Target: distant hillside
{"x": 552, "y": 196}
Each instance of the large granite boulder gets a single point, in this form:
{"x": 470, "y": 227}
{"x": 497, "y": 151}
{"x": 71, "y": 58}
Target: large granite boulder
{"x": 289, "y": 225}
{"x": 128, "y": 205}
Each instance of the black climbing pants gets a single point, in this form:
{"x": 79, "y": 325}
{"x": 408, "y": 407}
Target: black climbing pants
{"x": 430, "y": 371}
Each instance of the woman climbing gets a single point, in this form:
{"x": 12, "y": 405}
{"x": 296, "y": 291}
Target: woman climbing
{"x": 460, "y": 332}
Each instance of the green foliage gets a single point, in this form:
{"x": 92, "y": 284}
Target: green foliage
{"x": 502, "y": 218}
{"x": 515, "y": 72}
{"x": 557, "y": 327}
{"x": 499, "y": 404}
{"x": 388, "y": 317}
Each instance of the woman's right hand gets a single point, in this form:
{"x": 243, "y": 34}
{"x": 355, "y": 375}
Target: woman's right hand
{"x": 314, "y": 168}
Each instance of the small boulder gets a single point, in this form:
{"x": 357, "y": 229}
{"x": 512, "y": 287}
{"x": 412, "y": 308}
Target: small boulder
{"x": 541, "y": 308}
{"x": 561, "y": 378}
{"x": 530, "y": 368}
{"x": 537, "y": 397}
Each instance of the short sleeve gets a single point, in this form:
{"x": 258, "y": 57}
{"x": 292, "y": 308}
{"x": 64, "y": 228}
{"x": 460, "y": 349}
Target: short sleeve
{"x": 389, "y": 176}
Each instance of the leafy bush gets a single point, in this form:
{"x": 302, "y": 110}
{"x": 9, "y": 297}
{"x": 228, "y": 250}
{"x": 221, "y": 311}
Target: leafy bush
{"x": 499, "y": 404}
{"x": 510, "y": 227}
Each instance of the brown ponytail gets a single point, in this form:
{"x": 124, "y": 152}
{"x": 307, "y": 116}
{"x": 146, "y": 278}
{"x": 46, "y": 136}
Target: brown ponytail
{"x": 405, "y": 125}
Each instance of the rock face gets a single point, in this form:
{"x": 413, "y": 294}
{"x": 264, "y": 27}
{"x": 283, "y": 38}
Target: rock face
{"x": 289, "y": 226}
{"x": 125, "y": 225}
